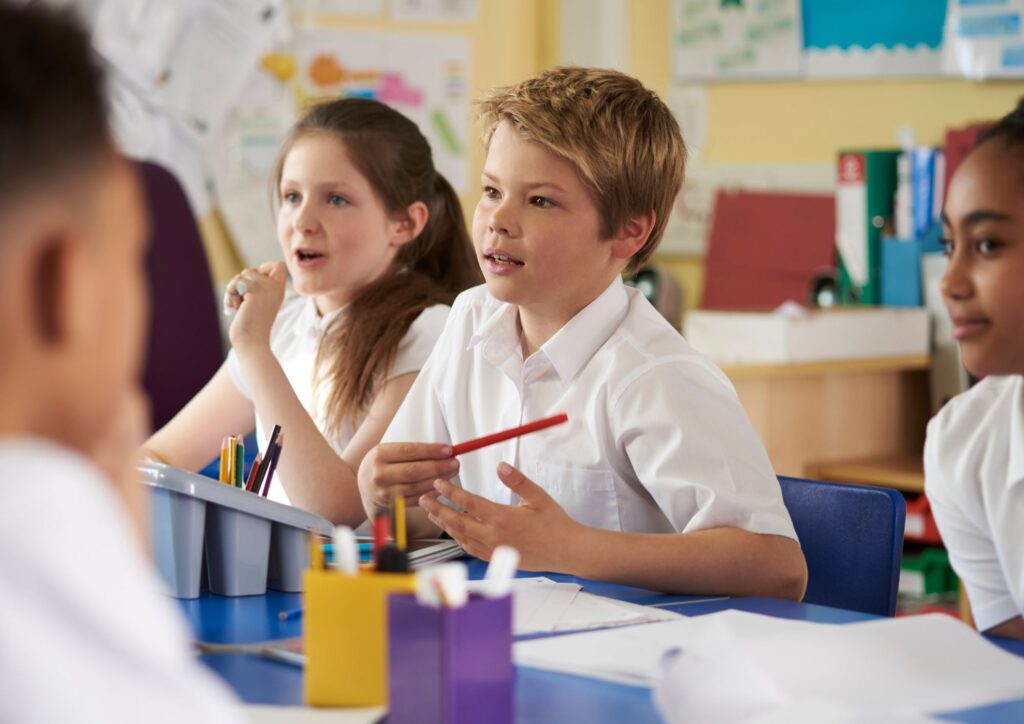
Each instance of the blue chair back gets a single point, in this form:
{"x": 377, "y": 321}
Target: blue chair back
{"x": 852, "y": 537}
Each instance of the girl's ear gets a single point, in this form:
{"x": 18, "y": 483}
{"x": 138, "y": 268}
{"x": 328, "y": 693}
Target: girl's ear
{"x": 633, "y": 235}
{"x": 411, "y": 226}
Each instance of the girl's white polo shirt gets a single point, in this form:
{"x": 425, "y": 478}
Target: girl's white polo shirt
{"x": 656, "y": 442}
{"x": 295, "y": 339}
{"x": 974, "y": 479}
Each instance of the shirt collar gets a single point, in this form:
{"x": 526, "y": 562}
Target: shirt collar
{"x": 571, "y": 346}
{"x": 310, "y": 325}
{"x": 575, "y": 343}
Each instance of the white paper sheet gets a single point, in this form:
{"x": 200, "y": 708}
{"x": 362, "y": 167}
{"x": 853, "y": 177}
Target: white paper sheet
{"x": 541, "y": 605}
{"x": 733, "y": 665}
{"x": 310, "y": 715}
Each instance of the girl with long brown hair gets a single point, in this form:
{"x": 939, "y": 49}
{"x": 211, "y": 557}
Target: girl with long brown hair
{"x": 376, "y": 246}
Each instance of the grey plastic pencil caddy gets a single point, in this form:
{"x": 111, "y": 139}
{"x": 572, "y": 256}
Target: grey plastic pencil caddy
{"x": 250, "y": 543}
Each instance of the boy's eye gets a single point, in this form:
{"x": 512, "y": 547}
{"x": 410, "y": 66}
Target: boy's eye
{"x": 291, "y": 197}
{"x": 947, "y": 245}
{"x": 541, "y": 202}
{"x": 336, "y": 200}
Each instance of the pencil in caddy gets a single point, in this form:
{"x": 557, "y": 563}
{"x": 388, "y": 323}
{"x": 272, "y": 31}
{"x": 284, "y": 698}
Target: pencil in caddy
{"x": 449, "y": 655}
{"x": 250, "y": 543}
{"x": 344, "y": 629}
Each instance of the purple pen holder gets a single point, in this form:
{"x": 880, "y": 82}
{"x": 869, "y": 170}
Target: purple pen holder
{"x": 450, "y": 665}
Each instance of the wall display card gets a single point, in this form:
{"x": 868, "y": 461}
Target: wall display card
{"x": 984, "y": 39}
{"x": 723, "y": 39}
{"x": 365, "y": 8}
{"x": 438, "y": 11}
{"x": 870, "y": 38}
{"x": 423, "y": 76}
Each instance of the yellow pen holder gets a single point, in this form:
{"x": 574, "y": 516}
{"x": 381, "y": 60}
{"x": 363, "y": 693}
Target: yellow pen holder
{"x": 345, "y": 632}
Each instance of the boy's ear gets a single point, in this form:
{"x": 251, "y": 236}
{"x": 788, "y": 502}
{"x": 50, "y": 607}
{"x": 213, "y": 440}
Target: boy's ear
{"x": 411, "y": 226}
{"x": 53, "y": 288}
{"x": 633, "y": 235}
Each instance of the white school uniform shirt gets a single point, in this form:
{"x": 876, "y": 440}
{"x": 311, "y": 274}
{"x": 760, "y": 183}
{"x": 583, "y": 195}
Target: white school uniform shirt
{"x": 87, "y": 632}
{"x": 295, "y": 339}
{"x": 974, "y": 479}
{"x": 656, "y": 442}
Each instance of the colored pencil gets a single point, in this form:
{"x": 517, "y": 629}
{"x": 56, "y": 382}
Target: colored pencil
{"x": 465, "y": 447}
{"x": 273, "y": 465}
{"x": 253, "y": 471}
{"x": 239, "y": 480}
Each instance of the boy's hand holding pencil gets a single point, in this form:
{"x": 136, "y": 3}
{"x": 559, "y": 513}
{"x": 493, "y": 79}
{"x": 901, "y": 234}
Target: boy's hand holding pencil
{"x": 410, "y": 469}
{"x": 403, "y": 468}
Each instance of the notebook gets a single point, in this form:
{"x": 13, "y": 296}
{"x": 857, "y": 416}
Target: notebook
{"x": 422, "y": 551}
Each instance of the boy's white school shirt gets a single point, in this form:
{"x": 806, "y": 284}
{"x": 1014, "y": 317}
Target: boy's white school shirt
{"x": 974, "y": 479}
{"x": 86, "y": 632}
{"x": 295, "y": 339}
{"x": 657, "y": 440}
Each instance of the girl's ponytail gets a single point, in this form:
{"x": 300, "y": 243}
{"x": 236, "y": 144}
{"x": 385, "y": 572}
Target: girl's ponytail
{"x": 444, "y": 250}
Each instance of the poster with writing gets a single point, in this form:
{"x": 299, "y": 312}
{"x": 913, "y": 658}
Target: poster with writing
{"x": 735, "y": 39}
{"x": 423, "y": 76}
{"x": 985, "y": 39}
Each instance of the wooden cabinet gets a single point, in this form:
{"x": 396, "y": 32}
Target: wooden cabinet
{"x": 856, "y": 421}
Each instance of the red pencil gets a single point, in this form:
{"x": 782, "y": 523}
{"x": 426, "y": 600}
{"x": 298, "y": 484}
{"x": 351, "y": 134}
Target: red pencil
{"x": 253, "y": 471}
{"x": 465, "y": 447}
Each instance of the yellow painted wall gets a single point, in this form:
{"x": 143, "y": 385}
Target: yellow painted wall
{"x": 805, "y": 122}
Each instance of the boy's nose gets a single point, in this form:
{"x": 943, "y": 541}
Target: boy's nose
{"x": 502, "y": 221}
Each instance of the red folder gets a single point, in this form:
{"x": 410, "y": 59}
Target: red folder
{"x": 959, "y": 142}
{"x": 764, "y": 248}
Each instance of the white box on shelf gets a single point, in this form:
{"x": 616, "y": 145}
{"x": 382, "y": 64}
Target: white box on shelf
{"x": 824, "y": 335}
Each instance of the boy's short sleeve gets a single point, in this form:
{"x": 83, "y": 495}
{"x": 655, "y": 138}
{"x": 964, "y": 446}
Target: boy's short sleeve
{"x": 419, "y": 341}
{"x": 421, "y": 416}
{"x": 693, "y": 448}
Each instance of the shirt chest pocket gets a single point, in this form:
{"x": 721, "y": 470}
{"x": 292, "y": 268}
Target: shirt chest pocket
{"x": 588, "y": 496}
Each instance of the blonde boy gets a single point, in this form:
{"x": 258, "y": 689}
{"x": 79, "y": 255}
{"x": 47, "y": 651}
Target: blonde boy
{"x": 85, "y": 634}
{"x": 658, "y": 479}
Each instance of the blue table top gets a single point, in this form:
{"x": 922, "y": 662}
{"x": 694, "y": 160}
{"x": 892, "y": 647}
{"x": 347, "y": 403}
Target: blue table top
{"x": 540, "y": 696}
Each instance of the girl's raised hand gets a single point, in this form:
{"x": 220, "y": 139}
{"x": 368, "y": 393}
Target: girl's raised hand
{"x": 257, "y": 294}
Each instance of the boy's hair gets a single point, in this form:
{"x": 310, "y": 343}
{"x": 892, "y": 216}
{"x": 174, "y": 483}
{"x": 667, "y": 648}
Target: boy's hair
{"x": 360, "y": 345}
{"x": 623, "y": 140}
{"x": 1009, "y": 128}
{"x": 52, "y": 108}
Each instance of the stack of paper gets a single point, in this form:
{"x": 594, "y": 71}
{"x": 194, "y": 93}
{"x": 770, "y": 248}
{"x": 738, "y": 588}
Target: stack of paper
{"x": 540, "y": 605}
{"x": 734, "y": 666}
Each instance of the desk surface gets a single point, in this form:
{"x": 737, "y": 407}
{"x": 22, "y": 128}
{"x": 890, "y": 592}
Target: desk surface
{"x": 540, "y": 696}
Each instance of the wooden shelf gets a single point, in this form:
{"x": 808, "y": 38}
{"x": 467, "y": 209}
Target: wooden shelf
{"x": 903, "y": 472}
{"x": 806, "y": 369}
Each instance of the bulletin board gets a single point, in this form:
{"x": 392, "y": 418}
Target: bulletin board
{"x": 716, "y": 40}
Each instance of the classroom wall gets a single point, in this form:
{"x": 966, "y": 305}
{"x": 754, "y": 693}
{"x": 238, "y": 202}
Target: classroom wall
{"x": 805, "y": 122}
{"x": 797, "y": 122}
